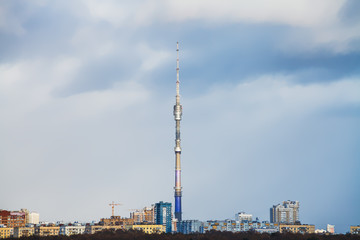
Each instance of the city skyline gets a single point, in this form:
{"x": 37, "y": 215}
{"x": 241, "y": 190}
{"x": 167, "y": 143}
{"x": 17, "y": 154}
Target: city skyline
{"x": 270, "y": 94}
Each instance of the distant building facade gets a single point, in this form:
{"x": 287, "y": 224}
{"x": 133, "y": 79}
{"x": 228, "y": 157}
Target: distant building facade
{"x": 149, "y": 228}
{"x": 5, "y": 232}
{"x": 297, "y": 228}
{"x": 143, "y": 215}
{"x": 12, "y": 219}
{"x": 162, "y": 212}
{"x": 50, "y": 230}
{"x": 91, "y": 229}
{"x": 30, "y": 217}
{"x": 330, "y": 229}
{"x": 242, "y": 216}
{"x": 24, "y": 232}
{"x": 237, "y": 226}
{"x": 70, "y": 230}
{"x": 320, "y": 231}
{"x": 34, "y": 218}
{"x": 116, "y": 221}
{"x": 190, "y": 226}
{"x": 355, "y": 229}
{"x": 287, "y": 213}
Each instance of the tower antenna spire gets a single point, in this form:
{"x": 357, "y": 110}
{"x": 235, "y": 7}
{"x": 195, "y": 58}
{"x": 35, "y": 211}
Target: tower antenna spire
{"x": 177, "y": 74}
{"x": 177, "y": 116}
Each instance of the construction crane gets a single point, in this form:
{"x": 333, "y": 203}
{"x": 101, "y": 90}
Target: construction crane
{"x": 113, "y": 207}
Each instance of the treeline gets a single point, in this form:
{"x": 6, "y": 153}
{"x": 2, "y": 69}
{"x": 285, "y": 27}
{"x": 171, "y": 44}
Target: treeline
{"x": 213, "y": 235}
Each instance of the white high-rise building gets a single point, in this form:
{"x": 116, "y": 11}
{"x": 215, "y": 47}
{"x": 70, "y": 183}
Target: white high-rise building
{"x": 34, "y": 218}
{"x": 330, "y": 228}
{"x": 287, "y": 213}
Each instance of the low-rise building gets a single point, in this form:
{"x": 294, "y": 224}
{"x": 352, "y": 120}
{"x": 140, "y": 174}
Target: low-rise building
{"x": 6, "y": 232}
{"x": 24, "y": 232}
{"x": 70, "y": 229}
{"x": 320, "y": 231}
{"x": 51, "y": 230}
{"x": 91, "y": 229}
{"x": 242, "y": 216}
{"x": 237, "y": 226}
{"x": 298, "y": 228}
{"x": 355, "y": 229}
{"x": 116, "y": 220}
{"x": 190, "y": 226}
{"x": 215, "y": 225}
{"x": 267, "y": 230}
{"x": 149, "y": 228}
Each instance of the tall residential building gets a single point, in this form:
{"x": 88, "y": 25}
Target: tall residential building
{"x": 162, "y": 214}
{"x": 242, "y": 216}
{"x": 30, "y": 217}
{"x": 143, "y": 215}
{"x": 34, "y": 218}
{"x": 330, "y": 229}
{"x": 12, "y": 219}
{"x": 287, "y": 213}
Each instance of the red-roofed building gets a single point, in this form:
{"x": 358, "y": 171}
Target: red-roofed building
{"x": 12, "y": 219}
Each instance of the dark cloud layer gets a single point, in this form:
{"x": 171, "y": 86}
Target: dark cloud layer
{"x": 87, "y": 103}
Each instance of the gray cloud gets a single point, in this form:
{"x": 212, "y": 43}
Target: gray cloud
{"x": 86, "y": 98}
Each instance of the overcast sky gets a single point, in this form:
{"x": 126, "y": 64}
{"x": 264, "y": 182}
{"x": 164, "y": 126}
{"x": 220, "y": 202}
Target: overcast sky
{"x": 271, "y": 107}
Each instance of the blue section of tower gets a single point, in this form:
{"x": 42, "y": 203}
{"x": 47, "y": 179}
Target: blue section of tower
{"x": 177, "y": 204}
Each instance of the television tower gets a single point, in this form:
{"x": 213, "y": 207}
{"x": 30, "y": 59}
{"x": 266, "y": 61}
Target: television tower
{"x": 177, "y": 115}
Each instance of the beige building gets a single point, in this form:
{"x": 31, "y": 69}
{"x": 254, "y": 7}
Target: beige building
{"x": 355, "y": 229}
{"x": 297, "y": 228}
{"x": 149, "y": 229}
{"x": 23, "y": 232}
{"x": 47, "y": 231}
{"x": 116, "y": 220}
{"x": 91, "y": 229}
{"x": 30, "y": 217}
{"x": 286, "y": 213}
{"x": 5, "y": 232}
{"x": 34, "y": 218}
{"x": 143, "y": 215}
